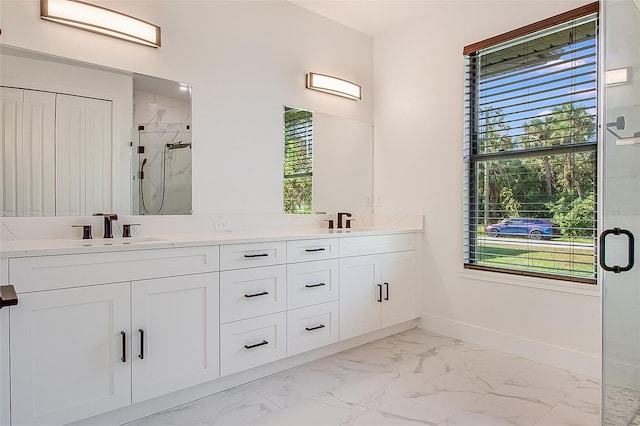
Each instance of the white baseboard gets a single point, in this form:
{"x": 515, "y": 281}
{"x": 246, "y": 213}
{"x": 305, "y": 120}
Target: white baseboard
{"x": 557, "y": 356}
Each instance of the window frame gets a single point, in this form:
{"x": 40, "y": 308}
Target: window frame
{"x": 471, "y": 194}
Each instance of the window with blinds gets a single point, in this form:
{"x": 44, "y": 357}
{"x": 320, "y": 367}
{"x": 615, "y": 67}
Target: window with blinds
{"x": 298, "y": 160}
{"x": 530, "y": 152}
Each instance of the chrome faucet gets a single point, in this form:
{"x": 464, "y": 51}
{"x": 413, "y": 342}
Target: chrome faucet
{"x": 108, "y": 223}
{"x": 340, "y": 215}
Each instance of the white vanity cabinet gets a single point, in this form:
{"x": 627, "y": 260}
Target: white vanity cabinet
{"x": 312, "y": 294}
{"x": 377, "y": 283}
{"x": 85, "y": 340}
{"x": 253, "y": 304}
{"x": 174, "y": 332}
{"x": 67, "y": 354}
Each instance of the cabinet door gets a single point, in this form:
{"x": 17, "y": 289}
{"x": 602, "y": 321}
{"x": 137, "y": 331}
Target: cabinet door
{"x": 359, "y": 296}
{"x": 66, "y": 352}
{"x": 175, "y": 333}
{"x": 398, "y": 277}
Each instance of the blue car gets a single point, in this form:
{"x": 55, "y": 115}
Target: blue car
{"x": 535, "y": 229}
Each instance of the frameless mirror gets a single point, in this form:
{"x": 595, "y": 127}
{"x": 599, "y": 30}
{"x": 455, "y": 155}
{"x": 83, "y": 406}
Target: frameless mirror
{"x": 57, "y": 172}
{"x": 328, "y": 165}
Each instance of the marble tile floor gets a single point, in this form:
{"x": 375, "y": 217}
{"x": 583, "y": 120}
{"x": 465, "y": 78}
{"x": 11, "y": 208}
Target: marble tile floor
{"x": 411, "y": 378}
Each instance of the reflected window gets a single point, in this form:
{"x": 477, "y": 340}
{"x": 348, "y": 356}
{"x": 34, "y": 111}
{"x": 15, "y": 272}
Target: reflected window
{"x": 298, "y": 160}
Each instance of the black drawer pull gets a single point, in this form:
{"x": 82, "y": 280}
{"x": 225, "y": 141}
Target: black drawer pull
{"x": 141, "y": 354}
{"x": 314, "y": 285}
{"x": 264, "y": 342}
{"x": 315, "y": 249}
{"x": 379, "y": 299}
{"x": 8, "y": 296}
{"x": 256, "y": 255}
{"x": 317, "y": 327}
{"x": 264, "y": 293}
{"x": 124, "y": 346}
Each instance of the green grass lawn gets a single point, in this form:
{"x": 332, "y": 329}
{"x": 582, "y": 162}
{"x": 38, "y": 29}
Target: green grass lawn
{"x": 577, "y": 262}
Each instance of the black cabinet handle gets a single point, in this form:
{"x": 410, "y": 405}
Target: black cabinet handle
{"x": 124, "y": 346}
{"x": 141, "y": 355}
{"x": 8, "y": 296}
{"x": 616, "y": 268}
{"x": 314, "y": 285}
{"x": 317, "y": 327}
{"x": 316, "y": 249}
{"x": 264, "y": 293}
{"x": 379, "y": 292}
{"x": 264, "y": 342}
{"x": 256, "y": 255}
{"x": 387, "y": 289}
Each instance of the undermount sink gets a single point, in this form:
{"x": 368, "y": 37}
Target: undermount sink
{"x": 104, "y": 242}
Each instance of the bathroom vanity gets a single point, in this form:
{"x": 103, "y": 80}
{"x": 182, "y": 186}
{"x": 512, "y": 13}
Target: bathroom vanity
{"x": 106, "y": 326}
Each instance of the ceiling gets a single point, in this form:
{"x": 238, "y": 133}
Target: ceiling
{"x": 371, "y": 17}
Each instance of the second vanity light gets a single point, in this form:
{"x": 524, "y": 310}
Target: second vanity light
{"x": 333, "y": 85}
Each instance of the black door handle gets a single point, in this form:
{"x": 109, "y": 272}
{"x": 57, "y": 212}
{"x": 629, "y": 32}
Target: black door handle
{"x": 630, "y": 253}
{"x": 379, "y": 292}
{"x": 141, "y": 355}
{"x": 124, "y": 346}
{"x": 314, "y": 285}
{"x": 264, "y": 293}
{"x": 386, "y": 285}
{"x": 264, "y": 342}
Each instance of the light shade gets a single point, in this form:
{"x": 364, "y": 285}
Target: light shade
{"x": 333, "y": 85}
{"x": 100, "y": 20}
{"x": 617, "y": 76}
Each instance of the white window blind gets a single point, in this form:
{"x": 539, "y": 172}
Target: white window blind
{"x": 530, "y": 153}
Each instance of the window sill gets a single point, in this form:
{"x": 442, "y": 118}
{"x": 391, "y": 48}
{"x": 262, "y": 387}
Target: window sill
{"x": 531, "y": 282}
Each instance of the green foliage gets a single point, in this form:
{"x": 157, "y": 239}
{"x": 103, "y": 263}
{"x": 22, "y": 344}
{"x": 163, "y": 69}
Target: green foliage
{"x": 576, "y": 218}
{"x": 298, "y": 161}
{"x": 510, "y": 205}
{"x": 545, "y": 185}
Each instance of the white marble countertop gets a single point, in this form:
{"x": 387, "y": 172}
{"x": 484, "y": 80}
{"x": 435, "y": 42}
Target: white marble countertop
{"x": 59, "y": 246}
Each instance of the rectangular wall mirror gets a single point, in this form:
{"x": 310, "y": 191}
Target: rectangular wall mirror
{"x": 328, "y": 163}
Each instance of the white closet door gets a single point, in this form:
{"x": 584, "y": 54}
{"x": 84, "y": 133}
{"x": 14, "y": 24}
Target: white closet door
{"x": 83, "y": 156}
{"x": 38, "y": 152}
{"x": 70, "y": 155}
{"x": 99, "y": 184}
{"x": 11, "y": 152}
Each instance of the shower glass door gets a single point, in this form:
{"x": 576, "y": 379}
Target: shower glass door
{"x": 621, "y": 213}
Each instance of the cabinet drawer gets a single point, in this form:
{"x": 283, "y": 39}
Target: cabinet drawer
{"x": 248, "y": 293}
{"x": 312, "y": 327}
{"x": 53, "y": 272}
{"x": 248, "y": 343}
{"x": 304, "y": 250}
{"x": 311, "y": 283}
{"x": 237, "y": 256}
{"x": 358, "y": 246}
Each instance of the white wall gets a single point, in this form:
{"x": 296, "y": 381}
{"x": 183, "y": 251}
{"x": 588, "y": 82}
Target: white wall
{"x": 418, "y": 135}
{"x": 245, "y": 61}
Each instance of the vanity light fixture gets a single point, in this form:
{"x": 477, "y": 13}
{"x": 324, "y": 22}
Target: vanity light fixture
{"x": 617, "y": 76}
{"x": 334, "y": 86}
{"x": 100, "y": 20}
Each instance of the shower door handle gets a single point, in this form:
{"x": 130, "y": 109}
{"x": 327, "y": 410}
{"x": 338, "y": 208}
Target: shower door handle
{"x": 630, "y": 250}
